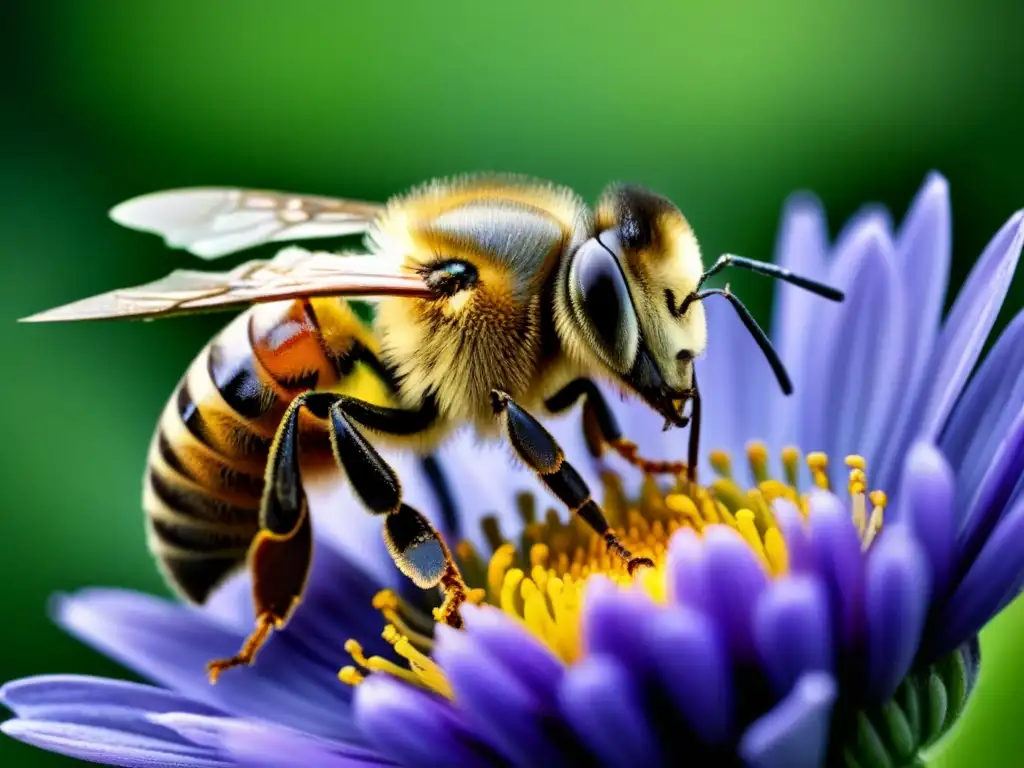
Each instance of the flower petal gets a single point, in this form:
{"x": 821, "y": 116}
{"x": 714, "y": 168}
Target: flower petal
{"x": 720, "y": 372}
{"x": 959, "y": 344}
{"x": 519, "y": 652}
{"x": 998, "y": 569}
{"x": 125, "y": 741}
{"x": 793, "y": 632}
{"x": 738, "y": 580}
{"x": 840, "y": 564}
{"x": 862, "y": 350}
{"x": 969, "y": 321}
{"x": 980, "y": 421}
{"x": 171, "y": 644}
{"x": 694, "y": 670}
{"x": 924, "y": 250}
{"x": 35, "y": 698}
{"x": 801, "y": 248}
{"x": 414, "y": 728}
{"x": 687, "y": 578}
{"x": 494, "y": 703}
{"x": 602, "y": 704}
{"x": 262, "y": 745}
{"x": 610, "y": 616}
{"x": 898, "y": 588}
{"x": 926, "y": 505}
{"x": 992, "y": 494}
{"x": 795, "y": 733}
{"x": 799, "y": 552}
{"x": 866, "y": 236}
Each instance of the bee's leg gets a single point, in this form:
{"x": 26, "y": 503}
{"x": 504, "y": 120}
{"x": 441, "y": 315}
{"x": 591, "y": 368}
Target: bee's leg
{"x": 280, "y": 555}
{"x": 415, "y": 546}
{"x": 601, "y": 428}
{"x": 538, "y": 450}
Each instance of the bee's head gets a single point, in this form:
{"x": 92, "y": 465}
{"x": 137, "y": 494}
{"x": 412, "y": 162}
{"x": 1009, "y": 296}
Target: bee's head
{"x": 625, "y": 288}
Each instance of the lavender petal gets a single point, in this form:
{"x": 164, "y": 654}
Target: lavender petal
{"x": 600, "y": 701}
{"x": 795, "y": 733}
{"x": 115, "y": 743}
{"x": 924, "y": 250}
{"x": 518, "y": 651}
{"x": 980, "y": 421}
{"x": 959, "y": 343}
{"x": 494, "y": 703}
{"x": 998, "y": 568}
{"x": 415, "y": 728}
{"x": 739, "y": 579}
{"x": 171, "y": 644}
{"x": 35, "y": 698}
{"x": 262, "y": 745}
{"x": 898, "y": 589}
{"x": 859, "y": 240}
{"x": 840, "y": 564}
{"x": 610, "y": 616}
{"x": 719, "y": 372}
{"x": 992, "y": 494}
{"x": 926, "y": 505}
{"x": 792, "y": 630}
{"x": 798, "y": 542}
{"x": 694, "y": 669}
{"x": 801, "y": 247}
{"x": 863, "y": 347}
{"x": 969, "y": 321}
{"x": 687, "y": 579}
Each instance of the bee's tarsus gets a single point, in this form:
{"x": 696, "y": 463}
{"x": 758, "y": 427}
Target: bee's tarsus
{"x": 264, "y": 626}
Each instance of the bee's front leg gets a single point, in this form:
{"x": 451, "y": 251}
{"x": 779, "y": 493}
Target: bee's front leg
{"x": 600, "y": 427}
{"x": 415, "y": 546}
{"x": 540, "y": 452}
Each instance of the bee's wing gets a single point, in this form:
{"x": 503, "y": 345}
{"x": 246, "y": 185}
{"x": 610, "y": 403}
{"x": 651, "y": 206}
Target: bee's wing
{"x": 212, "y": 221}
{"x": 294, "y": 273}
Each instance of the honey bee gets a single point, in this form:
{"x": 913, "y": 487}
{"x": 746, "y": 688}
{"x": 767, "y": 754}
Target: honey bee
{"x": 497, "y": 298}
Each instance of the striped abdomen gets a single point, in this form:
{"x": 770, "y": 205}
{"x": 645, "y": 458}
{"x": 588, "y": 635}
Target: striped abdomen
{"x": 204, "y": 478}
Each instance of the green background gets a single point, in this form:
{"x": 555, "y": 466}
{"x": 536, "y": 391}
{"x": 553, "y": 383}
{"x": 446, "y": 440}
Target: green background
{"x": 725, "y": 106}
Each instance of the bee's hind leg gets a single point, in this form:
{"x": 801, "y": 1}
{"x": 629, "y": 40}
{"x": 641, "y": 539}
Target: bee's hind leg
{"x": 281, "y": 553}
{"x": 600, "y": 427}
{"x": 538, "y": 450}
{"x": 416, "y": 547}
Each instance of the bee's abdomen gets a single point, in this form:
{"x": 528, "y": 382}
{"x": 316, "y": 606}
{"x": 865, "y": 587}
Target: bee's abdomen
{"x": 208, "y": 457}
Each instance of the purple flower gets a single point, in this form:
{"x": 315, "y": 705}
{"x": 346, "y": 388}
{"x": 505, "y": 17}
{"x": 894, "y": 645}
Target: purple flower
{"x": 794, "y": 618}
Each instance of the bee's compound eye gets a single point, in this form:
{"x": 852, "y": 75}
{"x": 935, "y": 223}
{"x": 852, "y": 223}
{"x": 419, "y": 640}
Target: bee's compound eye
{"x": 451, "y": 277}
{"x": 601, "y": 299}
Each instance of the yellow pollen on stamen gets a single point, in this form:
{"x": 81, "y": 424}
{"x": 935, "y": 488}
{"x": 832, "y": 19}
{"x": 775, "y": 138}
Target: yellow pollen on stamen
{"x": 540, "y": 581}
{"x": 721, "y": 463}
{"x": 791, "y": 465}
{"x": 757, "y": 457}
{"x": 818, "y": 464}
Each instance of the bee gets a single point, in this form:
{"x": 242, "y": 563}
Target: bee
{"x": 498, "y": 299}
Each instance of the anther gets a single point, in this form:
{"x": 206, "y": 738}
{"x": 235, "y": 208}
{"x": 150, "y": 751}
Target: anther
{"x": 791, "y": 464}
{"x": 818, "y": 464}
{"x": 721, "y": 463}
{"x": 757, "y": 457}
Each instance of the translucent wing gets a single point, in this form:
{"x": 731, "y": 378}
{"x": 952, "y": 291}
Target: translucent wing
{"x": 212, "y": 222}
{"x": 293, "y": 273}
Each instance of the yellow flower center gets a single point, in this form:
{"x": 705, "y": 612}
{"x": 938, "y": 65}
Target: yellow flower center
{"x": 540, "y": 579}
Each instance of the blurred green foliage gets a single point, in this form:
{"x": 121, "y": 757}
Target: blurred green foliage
{"x": 725, "y": 106}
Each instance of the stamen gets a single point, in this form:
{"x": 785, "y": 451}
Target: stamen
{"x": 757, "y": 456}
{"x": 791, "y": 466}
{"x": 721, "y": 463}
{"x": 389, "y": 604}
{"x": 818, "y": 464}
{"x": 539, "y": 581}
{"x": 878, "y": 501}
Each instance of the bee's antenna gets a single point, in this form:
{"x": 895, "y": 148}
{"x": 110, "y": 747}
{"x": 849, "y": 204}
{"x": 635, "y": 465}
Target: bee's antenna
{"x": 771, "y": 270}
{"x": 755, "y": 330}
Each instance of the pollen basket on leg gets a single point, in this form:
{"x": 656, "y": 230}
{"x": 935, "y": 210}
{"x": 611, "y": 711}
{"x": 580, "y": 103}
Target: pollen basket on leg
{"x": 539, "y": 576}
